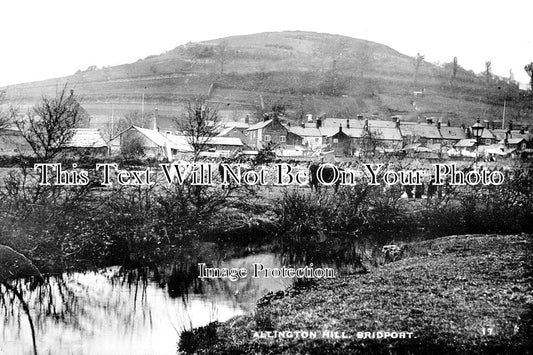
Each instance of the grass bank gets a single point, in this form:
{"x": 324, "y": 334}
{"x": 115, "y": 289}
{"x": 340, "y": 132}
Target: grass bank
{"x": 466, "y": 294}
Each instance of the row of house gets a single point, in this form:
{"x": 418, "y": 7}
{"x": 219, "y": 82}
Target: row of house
{"x": 343, "y": 137}
{"x": 347, "y": 137}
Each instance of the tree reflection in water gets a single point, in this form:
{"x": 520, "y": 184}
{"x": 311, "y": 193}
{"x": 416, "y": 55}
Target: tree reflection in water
{"x": 117, "y": 311}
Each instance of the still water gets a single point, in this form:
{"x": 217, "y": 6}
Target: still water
{"x": 107, "y": 312}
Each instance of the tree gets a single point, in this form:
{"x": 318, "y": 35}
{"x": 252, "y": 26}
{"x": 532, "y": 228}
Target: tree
{"x": 419, "y": 59}
{"x": 364, "y": 59}
{"x": 529, "y": 70}
{"x": 198, "y": 124}
{"x": 4, "y": 114}
{"x": 221, "y": 55}
{"x": 488, "y": 71}
{"x": 133, "y": 147}
{"x": 455, "y": 67}
{"x": 50, "y": 124}
{"x": 266, "y": 155}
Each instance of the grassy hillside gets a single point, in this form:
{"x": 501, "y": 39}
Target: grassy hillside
{"x": 304, "y": 71}
{"x": 461, "y": 294}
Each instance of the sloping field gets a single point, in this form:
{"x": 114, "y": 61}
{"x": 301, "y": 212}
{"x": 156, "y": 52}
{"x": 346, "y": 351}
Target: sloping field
{"x": 461, "y": 294}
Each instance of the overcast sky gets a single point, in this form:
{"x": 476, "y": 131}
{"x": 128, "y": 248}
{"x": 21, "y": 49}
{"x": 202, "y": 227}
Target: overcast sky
{"x": 42, "y": 39}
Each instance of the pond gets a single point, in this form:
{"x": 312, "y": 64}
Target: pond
{"x": 109, "y": 312}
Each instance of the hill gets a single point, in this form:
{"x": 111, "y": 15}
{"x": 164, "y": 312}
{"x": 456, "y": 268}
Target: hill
{"x": 304, "y": 72}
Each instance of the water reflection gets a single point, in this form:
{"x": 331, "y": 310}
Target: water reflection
{"x": 110, "y": 312}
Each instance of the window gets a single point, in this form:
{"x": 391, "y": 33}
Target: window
{"x": 316, "y": 140}
{"x": 267, "y": 138}
{"x": 335, "y": 140}
{"x": 282, "y": 139}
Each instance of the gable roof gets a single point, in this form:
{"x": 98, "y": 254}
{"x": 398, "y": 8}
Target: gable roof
{"x": 387, "y": 133}
{"x": 224, "y": 141}
{"x": 513, "y": 140}
{"x": 306, "y": 131}
{"x": 465, "y": 143}
{"x": 86, "y": 138}
{"x": 259, "y": 125}
{"x": 423, "y": 130}
{"x": 448, "y": 132}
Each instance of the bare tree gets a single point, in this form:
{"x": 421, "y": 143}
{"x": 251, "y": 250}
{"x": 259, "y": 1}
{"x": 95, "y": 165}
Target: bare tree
{"x": 488, "y": 71}
{"x": 419, "y": 59}
{"x": 199, "y": 124}
{"x": 48, "y": 127}
{"x": 364, "y": 59}
{"x": 455, "y": 67}
{"x": 221, "y": 55}
{"x": 529, "y": 70}
{"x": 5, "y": 119}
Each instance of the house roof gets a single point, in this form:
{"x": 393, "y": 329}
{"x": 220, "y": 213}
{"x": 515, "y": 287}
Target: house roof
{"x": 353, "y": 132}
{"x": 387, "y": 133}
{"x": 235, "y": 124}
{"x": 500, "y": 134}
{"x": 513, "y": 140}
{"x": 306, "y": 131}
{"x": 259, "y": 125}
{"x": 179, "y": 143}
{"x": 487, "y": 134}
{"x": 465, "y": 143}
{"x": 331, "y": 131}
{"x": 86, "y": 138}
{"x": 224, "y": 141}
{"x": 356, "y": 123}
{"x": 225, "y": 131}
{"x": 420, "y": 129}
{"x": 452, "y": 133}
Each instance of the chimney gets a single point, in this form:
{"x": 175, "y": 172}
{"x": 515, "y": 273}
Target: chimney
{"x": 309, "y": 117}
{"x": 318, "y": 123}
{"x": 397, "y": 123}
{"x": 394, "y": 118}
{"x": 71, "y": 92}
{"x": 510, "y": 125}
{"x": 348, "y": 124}
{"x": 449, "y": 123}
{"x": 429, "y": 120}
{"x": 438, "y": 125}
{"x": 340, "y": 128}
{"x": 360, "y": 116}
{"x": 366, "y": 124}
{"x": 247, "y": 119}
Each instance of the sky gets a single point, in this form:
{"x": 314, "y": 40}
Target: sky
{"x": 52, "y": 38}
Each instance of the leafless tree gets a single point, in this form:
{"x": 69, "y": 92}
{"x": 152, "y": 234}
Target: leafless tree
{"x": 488, "y": 71}
{"x": 5, "y": 119}
{"x": 364, "y": 59}
{"x": 455, "y": 67}
{"x": 221, "y": 55}
{"x": 529, "y": 70}
{"x": 49, "y": 125}
{"x": 419, "y": 59}
{"x": 199, "y": 124}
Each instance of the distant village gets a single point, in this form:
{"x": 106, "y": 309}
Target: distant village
{"x": 311, "y": 138}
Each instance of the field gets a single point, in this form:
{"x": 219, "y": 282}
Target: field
{"x": 459, "y": 294}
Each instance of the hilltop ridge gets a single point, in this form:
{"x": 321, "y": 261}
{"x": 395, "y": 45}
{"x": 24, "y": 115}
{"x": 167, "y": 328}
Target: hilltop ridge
{"x": 305, "y": 72}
